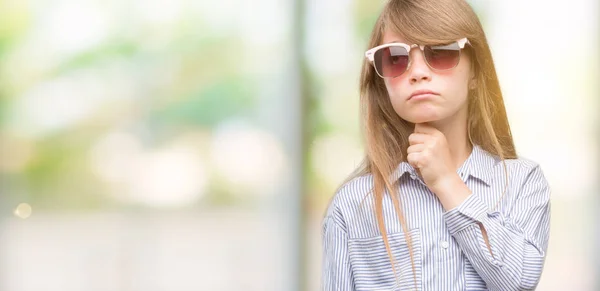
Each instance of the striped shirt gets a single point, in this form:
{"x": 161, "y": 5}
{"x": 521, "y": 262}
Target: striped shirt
{"x": 448, "y": 246}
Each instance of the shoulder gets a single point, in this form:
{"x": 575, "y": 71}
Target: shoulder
{"x": 522, "y": 167}
{"x": 348, "y": 199}
{"x": 522, "y": 162}
{"x": 524, "y": 175}
{"x": 486, "y": 163}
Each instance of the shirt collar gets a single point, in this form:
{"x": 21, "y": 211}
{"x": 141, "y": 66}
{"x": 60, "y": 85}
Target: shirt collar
{"x": 479, "y": 165}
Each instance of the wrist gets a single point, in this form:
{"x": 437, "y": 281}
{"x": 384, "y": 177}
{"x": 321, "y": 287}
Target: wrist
{"x": 451, "y": 191}
{"x": 446, "y": 184}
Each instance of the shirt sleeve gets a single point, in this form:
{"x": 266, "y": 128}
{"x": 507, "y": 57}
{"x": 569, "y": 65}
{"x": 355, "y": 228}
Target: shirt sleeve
{"x": 337, "y": 273}
{"x": 518, "y": 240}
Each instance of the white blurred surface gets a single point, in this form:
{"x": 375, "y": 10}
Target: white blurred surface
{"x": 213, "y": 250}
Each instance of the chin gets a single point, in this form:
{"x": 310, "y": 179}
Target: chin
{"x": 421, "y": 118}
{"x": 421, "y": 113}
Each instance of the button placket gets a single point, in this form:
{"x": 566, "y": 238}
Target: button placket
{"x": 444, "y": 244}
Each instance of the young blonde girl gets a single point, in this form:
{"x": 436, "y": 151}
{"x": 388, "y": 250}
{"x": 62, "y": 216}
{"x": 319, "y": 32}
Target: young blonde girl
{"x": 441, "y": 201}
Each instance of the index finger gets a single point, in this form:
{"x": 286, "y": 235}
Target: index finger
{"x": 424, "y": 128}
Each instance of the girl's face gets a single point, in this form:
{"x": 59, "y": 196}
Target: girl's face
{"x": 449, "y": 87}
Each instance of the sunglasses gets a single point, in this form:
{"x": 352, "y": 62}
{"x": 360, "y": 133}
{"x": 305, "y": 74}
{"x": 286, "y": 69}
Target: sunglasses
{"x": 393, "y": 59}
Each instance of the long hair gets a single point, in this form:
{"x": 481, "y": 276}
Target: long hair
{"x": 386, "y": 134}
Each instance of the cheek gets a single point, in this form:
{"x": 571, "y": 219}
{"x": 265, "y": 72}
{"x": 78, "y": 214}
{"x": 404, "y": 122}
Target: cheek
{"x": 463, "y": 89}
{"x": 457, "y": 94}
{"x": 394, "y": 88}
{"x": 394, "y": 82}
{"x": 457, "y": 86}
{"x": 394, "y": 85}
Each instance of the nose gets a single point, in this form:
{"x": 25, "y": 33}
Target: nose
{"x": 419, "y": 70}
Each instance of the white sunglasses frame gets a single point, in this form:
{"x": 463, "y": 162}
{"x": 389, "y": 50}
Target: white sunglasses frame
{"x": 370, "y": 54}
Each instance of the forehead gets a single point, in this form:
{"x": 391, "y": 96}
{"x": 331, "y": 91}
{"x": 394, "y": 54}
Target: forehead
{"x": 391, "y": 36}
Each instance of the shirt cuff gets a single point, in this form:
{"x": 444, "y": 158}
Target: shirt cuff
{"x": 470, "y": 211}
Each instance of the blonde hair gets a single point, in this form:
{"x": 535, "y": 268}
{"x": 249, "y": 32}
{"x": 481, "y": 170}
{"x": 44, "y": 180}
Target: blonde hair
{"x": 386, "y": 134}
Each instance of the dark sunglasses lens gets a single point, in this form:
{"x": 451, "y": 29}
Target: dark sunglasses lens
{"x": 442, "y": 57}
{"x": 391, "y": 61}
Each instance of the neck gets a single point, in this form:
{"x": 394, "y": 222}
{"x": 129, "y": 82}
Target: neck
{"x": 455, "y": 131}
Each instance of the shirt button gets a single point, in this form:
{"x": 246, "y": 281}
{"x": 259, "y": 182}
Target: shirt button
{"x": 445, "y": 244}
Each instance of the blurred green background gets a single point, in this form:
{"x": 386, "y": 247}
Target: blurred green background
{"x": 194, "y": 145}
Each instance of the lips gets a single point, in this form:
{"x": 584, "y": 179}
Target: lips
{"x": 422, "y": 92}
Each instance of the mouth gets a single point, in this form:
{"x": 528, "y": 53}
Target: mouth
{"x": 422, "y": 94}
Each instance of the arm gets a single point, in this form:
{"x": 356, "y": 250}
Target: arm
{"x": 509, "y": 251}
{"x": 337, "y": 274}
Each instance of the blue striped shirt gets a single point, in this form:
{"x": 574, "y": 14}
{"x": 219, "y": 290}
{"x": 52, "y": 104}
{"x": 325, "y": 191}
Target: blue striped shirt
{"x": 448, "y": 246}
